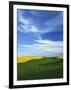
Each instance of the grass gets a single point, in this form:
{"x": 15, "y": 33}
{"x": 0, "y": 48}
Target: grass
{"x": 40, "y": 68}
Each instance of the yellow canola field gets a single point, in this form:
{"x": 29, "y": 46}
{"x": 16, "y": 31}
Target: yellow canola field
{"x": 24, "y": 59}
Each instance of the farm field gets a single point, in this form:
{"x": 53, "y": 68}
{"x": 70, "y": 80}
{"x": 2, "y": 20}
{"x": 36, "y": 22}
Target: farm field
{"x": 39, "y": 67}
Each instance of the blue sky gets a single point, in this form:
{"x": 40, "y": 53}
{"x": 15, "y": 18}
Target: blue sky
{"x": 39, "y": 32}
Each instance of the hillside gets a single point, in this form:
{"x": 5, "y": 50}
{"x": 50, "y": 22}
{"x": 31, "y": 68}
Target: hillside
{"x": 43, "y": 68}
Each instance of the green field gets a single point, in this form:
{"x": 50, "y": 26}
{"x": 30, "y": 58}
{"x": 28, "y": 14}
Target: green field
{"x": 44, "y": 68}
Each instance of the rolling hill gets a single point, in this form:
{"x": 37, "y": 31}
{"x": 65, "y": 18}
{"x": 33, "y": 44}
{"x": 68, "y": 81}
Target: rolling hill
{"x": 36, "y": 67}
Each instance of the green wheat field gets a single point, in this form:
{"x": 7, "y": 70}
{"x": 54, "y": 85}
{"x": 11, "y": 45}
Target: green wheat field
{"x": 37, "y": 67}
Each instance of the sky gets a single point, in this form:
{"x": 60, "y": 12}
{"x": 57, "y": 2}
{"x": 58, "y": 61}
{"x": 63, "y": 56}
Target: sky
{"x": 39, "y": 32}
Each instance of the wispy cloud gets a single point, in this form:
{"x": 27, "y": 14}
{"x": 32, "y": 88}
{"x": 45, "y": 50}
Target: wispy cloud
{"x": 50, "y": 25}
{"x": 26, "y": 24}
{"x": 33, "y": 24}
{"x": 45, "y": 46}
{"x": 49, "y": 42}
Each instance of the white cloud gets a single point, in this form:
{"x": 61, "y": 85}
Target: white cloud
{"x": 26, "y": 24}
{"x": 22, "y": 19}
{"x": 49, "y": 42}
{"x": 29, "y": 26}
{"x": 45, "y": 46}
